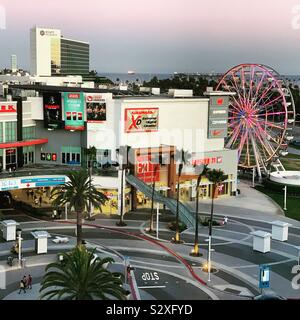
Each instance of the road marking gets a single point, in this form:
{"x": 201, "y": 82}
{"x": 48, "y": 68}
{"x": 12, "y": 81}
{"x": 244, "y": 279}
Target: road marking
{"x": 203, "y": 288}
{"x": 269, "y": 264}
{"x": 152, "y": 287}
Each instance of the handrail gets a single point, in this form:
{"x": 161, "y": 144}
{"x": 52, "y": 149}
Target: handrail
{"x": 185, "y": 214}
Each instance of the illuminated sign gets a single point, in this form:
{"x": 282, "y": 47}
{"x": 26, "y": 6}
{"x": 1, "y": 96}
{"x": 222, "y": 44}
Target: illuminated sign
{"x": 93, "y": 98}
{"x": 54, "y": 156}
{"x": 141, "y": 120}
{"x": 145, "y": 169}
{"x": 218, "y": 117}
{"x": 74, "y": 110}
{"x": 211, "y": 160}
{"x": 8, "y": 107}
{"x": 52, "y": 110}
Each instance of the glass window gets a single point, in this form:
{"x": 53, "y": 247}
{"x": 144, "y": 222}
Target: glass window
{"x": 10, "y": 131}
{"x": 63, "y": 157}
{"x": 1, "y": 132}
{"x": 28, "y": 133}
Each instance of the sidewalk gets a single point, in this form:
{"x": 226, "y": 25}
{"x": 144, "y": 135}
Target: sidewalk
{"x": 250, "y": 204}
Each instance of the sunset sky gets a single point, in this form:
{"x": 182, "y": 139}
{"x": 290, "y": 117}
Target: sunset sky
{"x": 163, "y": 35}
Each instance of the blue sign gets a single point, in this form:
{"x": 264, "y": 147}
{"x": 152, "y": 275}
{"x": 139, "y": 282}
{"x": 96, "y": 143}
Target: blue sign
{"x": 44, "y": 180}
{"x": 264, "y": 276}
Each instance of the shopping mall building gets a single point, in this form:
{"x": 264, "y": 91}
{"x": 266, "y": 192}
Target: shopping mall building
{"x": 44, "y": 131}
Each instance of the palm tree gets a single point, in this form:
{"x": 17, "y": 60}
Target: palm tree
{"x": 78, "y": 192}
{"x": 215, "y": 177}
{"x": 201, "y": 171}
{"x": 90, "y": 154}
{"x": 182, "y": 157}
{"x": 80, "y": 276}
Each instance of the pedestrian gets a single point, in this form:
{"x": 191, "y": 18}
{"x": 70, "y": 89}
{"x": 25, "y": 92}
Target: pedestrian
{"x": 22, "y": 286}
{"x": 225, "y": 220}
{"x": 29, "y": 282}
{"x": 40, "y": 200}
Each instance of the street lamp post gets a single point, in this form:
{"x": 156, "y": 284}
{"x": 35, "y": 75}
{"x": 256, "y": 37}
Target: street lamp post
{"x": 19, "y": 234}
{"x": 285, "y": 194}
{"x": 208, "y": 265}
{"x": 200, "y": 170}
{"x": 157, "y": 220}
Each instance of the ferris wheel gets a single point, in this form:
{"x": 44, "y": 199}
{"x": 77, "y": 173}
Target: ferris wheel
{"x": 261, "y": 115}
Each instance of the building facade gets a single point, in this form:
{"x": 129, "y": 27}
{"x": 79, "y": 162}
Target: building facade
{"x": 53, "y": 55}
{"x": 53, "y": 128}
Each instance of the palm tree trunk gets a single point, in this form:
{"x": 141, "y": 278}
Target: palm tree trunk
{"x": 196, "y": 243}
{"x": 79, "y": 228}
{"x": 151, "y": 228}
{"x": 90, "y": 184}
{"x": 121, "y": 222}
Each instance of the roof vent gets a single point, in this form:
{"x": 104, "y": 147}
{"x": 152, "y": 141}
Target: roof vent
{"x": 180, "y": 93}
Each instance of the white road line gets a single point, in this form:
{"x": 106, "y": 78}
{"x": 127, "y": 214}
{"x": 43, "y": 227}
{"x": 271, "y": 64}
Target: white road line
{"x": 152, "y": 287}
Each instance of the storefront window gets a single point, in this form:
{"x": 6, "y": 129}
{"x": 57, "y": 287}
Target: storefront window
{"x": 1, "y": 132}
{"x": 10, "y": 131}
{"x": 28, "y": 133}
{"x": 28, "y": 155}
{"x": 71, "y": 155}
{"x": 11, "y": 158}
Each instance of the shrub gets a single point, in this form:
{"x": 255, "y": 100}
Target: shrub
{"x": 181, "y": 225}
{"x": 205, "y": 223}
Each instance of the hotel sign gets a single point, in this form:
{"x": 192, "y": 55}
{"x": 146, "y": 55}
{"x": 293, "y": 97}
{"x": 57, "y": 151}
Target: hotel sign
{"x": 141, "y": 120}
{"x": 8, "y": 107}
{"x": 218, "y": 117}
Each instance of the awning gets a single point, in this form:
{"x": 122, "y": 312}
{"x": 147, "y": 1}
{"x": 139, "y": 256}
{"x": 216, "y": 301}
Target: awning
{"x": 26, "y": 143}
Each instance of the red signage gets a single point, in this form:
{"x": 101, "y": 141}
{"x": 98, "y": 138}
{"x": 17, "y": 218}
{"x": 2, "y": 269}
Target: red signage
{"x": 217, "y": 133}
{"x": 8, "y": 108}
{"x": 220, "y": 101}
{"x": 146, "y": 169}
{"x": 141, "y": 120}
{"x": 94, "y": 98}
{"x": 74, "y": 96}
{"x": 212, "y": 160}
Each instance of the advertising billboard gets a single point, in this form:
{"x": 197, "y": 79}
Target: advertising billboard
{"x": 74, "y": 111}
{"x": 95, "y": 108}
{"x": 52, "y": 110}
{"x": 218, "y": 117}
{"x": 145, "y": 169}
{"x": 141, "y": 120}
